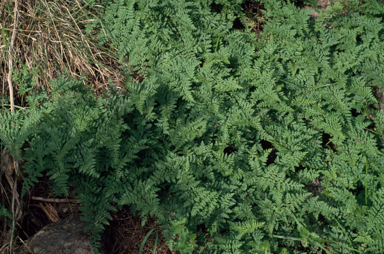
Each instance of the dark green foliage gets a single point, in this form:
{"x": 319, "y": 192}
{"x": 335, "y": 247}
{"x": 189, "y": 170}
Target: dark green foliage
{"x": 226, "y": 130}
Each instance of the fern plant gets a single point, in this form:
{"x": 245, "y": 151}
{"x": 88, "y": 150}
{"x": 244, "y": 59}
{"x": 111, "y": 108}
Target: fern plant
{"x": 223, "y": 132}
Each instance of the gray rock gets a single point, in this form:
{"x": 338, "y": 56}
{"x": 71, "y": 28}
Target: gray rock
{"x": 66, "y": 236}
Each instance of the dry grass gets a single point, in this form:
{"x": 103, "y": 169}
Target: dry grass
{"x": 48, "y": 39}
{"x": 44, "y": 37}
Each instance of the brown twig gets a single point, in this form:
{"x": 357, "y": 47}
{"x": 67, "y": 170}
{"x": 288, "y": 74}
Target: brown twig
{"x": 57, "y": 200}
{"x": 26, "y": 246}
{"x": 15, "y": 198}
{"x": 10, "y": 58}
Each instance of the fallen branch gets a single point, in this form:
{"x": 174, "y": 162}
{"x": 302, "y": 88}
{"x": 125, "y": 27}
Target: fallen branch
{"x": 56, "y": 200}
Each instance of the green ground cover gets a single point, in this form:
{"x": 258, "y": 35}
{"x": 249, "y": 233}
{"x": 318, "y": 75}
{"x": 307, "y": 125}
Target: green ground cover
{"x": 223, "y": 131}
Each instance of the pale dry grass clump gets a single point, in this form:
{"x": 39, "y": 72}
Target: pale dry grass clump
{"x": 45, "y": 37}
